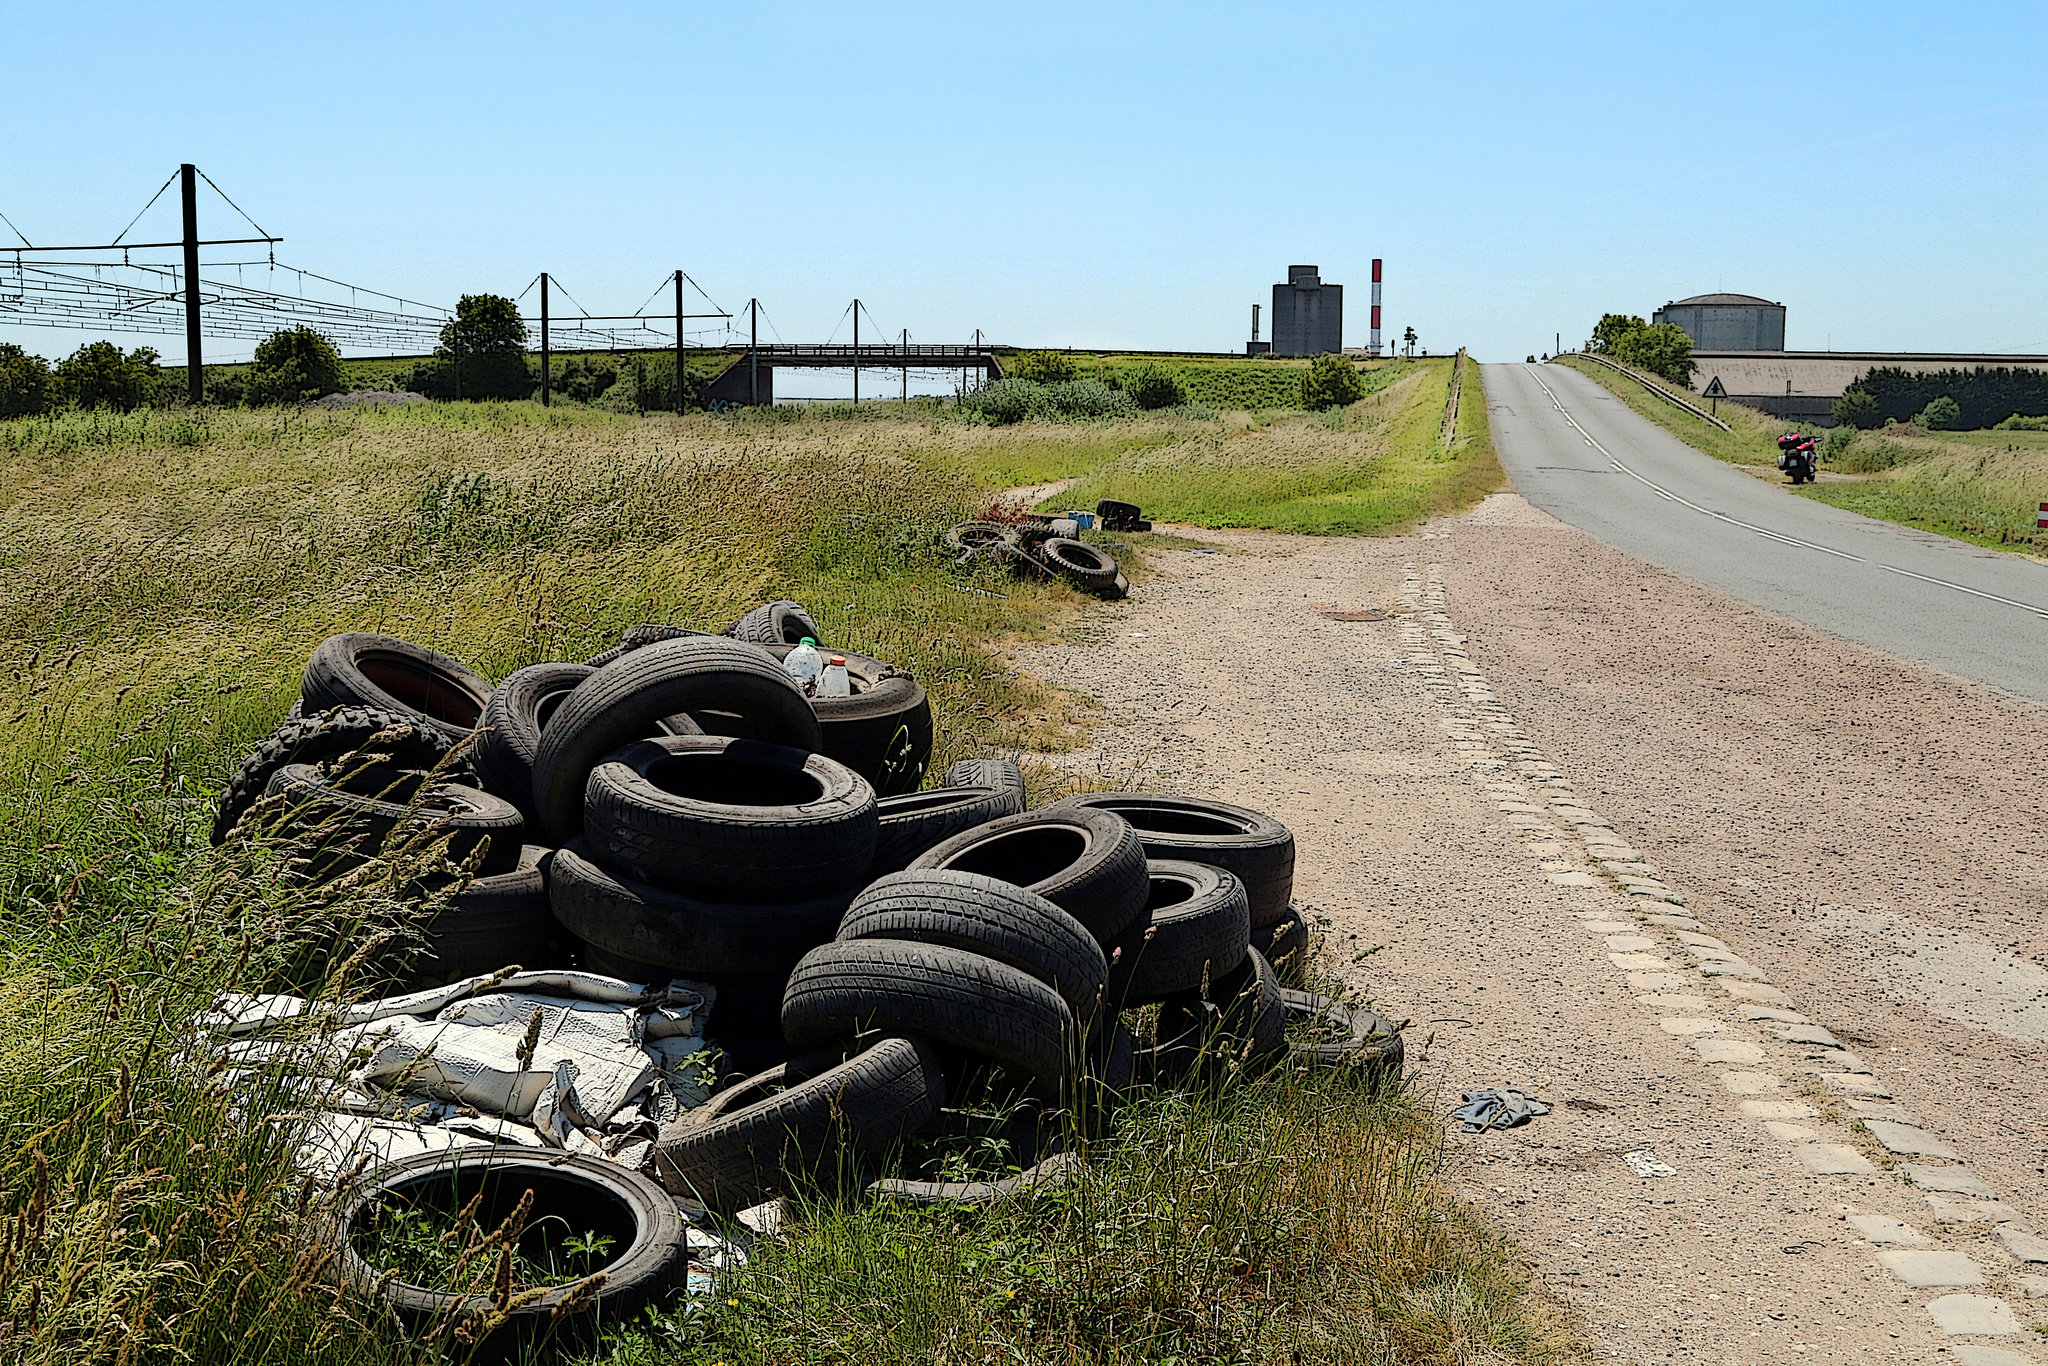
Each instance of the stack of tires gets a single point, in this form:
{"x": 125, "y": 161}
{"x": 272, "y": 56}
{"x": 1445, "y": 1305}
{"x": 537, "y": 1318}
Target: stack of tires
{"x": 1030, "y": 549}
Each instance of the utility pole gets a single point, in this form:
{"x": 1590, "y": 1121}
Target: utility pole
{"x": 856, "y": 350}
{"x": 195, "y": 385}
{"x": 456, "y": 338}
{"x": 906, "y": 365}
{"x": 679, "y": 341}
{"x": 544, "y": 339}
{"x": 754, "y": 352}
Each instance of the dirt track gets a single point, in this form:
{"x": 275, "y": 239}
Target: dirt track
{"x": 1768, "y": 770}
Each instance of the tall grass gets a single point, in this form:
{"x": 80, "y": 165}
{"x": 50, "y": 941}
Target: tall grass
{"x": 1375, "y": 466}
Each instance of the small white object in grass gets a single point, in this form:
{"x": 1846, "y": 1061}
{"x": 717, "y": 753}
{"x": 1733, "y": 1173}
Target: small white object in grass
{"x": 1643, "y": 1163}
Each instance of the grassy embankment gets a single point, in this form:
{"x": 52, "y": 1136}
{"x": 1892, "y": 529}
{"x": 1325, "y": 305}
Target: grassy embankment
{"x": 1981, "y": 487}
{"x": 165, "y": 575}
{"x": 1376, "y": 466}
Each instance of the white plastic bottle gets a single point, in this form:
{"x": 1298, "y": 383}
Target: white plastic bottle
{"x": 834, "y": 682}
{"x": 804, "y": 662}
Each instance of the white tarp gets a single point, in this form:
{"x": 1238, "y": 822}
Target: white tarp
{"x": 567, "y": 1060}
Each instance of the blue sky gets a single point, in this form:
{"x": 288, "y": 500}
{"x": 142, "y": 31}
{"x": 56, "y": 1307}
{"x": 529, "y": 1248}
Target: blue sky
{"x": 1123, "y": 175}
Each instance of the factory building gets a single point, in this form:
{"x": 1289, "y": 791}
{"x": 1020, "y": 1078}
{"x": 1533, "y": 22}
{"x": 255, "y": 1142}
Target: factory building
{"x": 1727, "y": 322}
{"x": 1308, "y": 315}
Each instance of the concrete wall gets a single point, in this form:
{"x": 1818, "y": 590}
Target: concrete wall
{"x": 1728, "y": 328}
{"x": 1308, "y": 315}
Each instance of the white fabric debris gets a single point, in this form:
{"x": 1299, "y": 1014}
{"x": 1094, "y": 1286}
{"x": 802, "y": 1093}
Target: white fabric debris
{"x": 567, "y": 1060}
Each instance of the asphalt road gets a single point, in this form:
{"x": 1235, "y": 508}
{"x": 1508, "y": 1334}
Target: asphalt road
{"x": 1579, "y": 453}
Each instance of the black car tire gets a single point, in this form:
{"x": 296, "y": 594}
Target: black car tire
{"x": 634, "y": 637}
{"x": 1086, "y": 862}
{"x": 1332, "y": 1034}
{"x": 1259, "y": 849}
{"x": 624, "y": 700}
{"x": 333, "y": 734}
{"x": 681, "y": 935}
{"x": 358, "y": 669}
{"x": 492, "y": 922}
{"x": 1285, "y": 944}
{"x": 947, "y": 995}
{"x": 509, "y": 734}
{"x": 1047, "y": 1174}
{"x": 1078, "y": 561}
{"x": 776, "y": 623}
{"x": 730, "y": 820}
{"x": 994, "y": 919}
{"x": 999, "y": 773}
{"x": 1241, "y": 1017}
{"x": 751, "y": 1139}
{"x": 883, "y": 731}
{"x": 1196, "y": 928}
{"x": 914, "y": 822}
{"x": 346, "y": 825}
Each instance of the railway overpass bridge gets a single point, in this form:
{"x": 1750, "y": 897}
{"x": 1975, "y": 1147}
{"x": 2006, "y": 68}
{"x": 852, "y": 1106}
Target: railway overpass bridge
{"x": 750, "y": 379}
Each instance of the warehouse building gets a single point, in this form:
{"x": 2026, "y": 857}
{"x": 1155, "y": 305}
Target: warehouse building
{"x": 1727, "y": 322}
{"x": 1308, "y": 315}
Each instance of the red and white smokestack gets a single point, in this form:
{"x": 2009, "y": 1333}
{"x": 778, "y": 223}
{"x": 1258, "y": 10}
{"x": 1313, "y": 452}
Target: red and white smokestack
{"x": 1374, "y": 346}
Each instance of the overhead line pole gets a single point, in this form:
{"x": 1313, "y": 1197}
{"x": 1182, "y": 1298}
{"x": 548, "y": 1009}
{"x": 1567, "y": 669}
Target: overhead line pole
{"x": 544, "y": 339}
{"x": 188, "y": 190}
{"x": 679, "y": 340}
{"x": 754, "y": 352}
{"x": 856, "y": 351}
{"x": 906, "y": 365}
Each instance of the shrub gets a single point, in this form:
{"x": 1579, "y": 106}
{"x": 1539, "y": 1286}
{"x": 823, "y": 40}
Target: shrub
{"x": 1330, "y": 382}
{"x": 1152, "y": 385}
{"x": 584, "y": 378}
{"x": 1043, "y": 367}
{"x": 1664, "y": 350}
{"x": 1943, "y": 414}
{"x": 1986, "y": 395}
{"x": 2021, "y": 423}
{"x": 102, "y": 375}
{"x": 1856, "y": 409}
{"x": 294, "y": 365}
{"x": 1007, "y": 401}
{"x": 1090, "y": 398}
{"x": 24, "y": 382}
{"x": 1611, "y": 329}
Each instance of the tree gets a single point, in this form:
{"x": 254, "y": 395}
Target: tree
{"x": 1665, "y": 350}
{"x": 294, "y": 365}
{"x": 1612, "y": 328}
{"x": 484, "y": 325}
{"x": 1152, "y": 385}
{"x": 1943, "y": 414}
{"x": 1330, "y": 382}
{"x": 1857, "y": 408}
{"x": 24, "y": 382}
{"x": 482, "y": 353}
{"x": 1046, "y": 367}
{"x": 101, "y": 375}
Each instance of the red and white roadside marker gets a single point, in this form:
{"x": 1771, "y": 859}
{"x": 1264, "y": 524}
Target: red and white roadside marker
{"x": 2041, "y": 518}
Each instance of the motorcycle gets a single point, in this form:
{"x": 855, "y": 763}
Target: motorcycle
{"x": 1798, "y": 456}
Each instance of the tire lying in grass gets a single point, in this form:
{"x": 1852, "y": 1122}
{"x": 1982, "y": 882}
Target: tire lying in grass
{"x": 572, "y": 1196}
{"x": 1249, "y": 843}
{"x": 981, "y": 915}
{"x": 382, "y": 805}
{"x": 682, "y": 935}
{"x": 493, "y": 922}
{"x": 776, "y": 623}
{"x": 1078, "y": 562}
{"x": 914, "y": 822}
{"x": 624, "y": 701}
{"x": 998, "y": 773}
{"x": 1285, "y": 944}
{"x": 747, "y": 1140}
{"x": 730, "y": 820}
{"x": 979, "y": 536}
{"x": 1332, "y": 1034}
{"x": 1196, "y": 929}
{"x": 882, "y": 732}
{"x": 1116, "y": 515}
{"x": 1087, "y": 862}
{"x": 357, "y": 669}
{"x": 509, "y": 734}
{"x": 324, "y": 736}
{"x": 946, "y": 995}
{"x": 1047, "y": 1174}
{"x": 634, "y": 637}
{"x": 1242, "y": 1017}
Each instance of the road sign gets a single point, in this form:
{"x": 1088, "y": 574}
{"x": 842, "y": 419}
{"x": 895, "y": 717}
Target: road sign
{"x": 1714, "y": 389}
{"x": 2041, "y": 518}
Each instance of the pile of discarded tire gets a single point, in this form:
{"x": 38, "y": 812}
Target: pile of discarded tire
{"x": 1038, "y": 547}
{"x": 679, "y": 808}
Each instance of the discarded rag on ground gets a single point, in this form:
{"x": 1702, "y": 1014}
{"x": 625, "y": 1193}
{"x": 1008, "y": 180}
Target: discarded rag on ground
{"x": 1498, "y": 1107}
{"x": 568, "y": 1060}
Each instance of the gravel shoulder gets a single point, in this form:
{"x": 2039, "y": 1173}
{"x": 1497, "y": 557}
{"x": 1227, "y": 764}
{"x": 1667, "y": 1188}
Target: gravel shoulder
{"x": 1766, "y": 770}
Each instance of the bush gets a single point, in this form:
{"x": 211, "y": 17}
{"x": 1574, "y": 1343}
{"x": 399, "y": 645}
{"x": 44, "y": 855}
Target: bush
{"x": 585, "y": 378}
{"x": 102, "y": 375}
{"x": 1330, "y": 382}
{"x": 1152, "y": 385}
{"x": 24, "y": 382}
{"x": 1856, "y": 409}
{"x": 2020, "y": 423}
{"x": 1091, "y": 398}
{"x": 1985, "y": 395}
{"x": 1664, "y": 350}
{"x": 1042, "y": 367}
{"x": 1943, "y": 414}
{"x": 1009, "y": 400}
{"x": 295, "y": 365}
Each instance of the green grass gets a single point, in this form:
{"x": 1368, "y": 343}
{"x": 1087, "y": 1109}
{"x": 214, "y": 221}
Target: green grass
{"x": 163, "y": 576}
{"x": 1980, "y": 487}
{"x": 1375, "y": 467}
